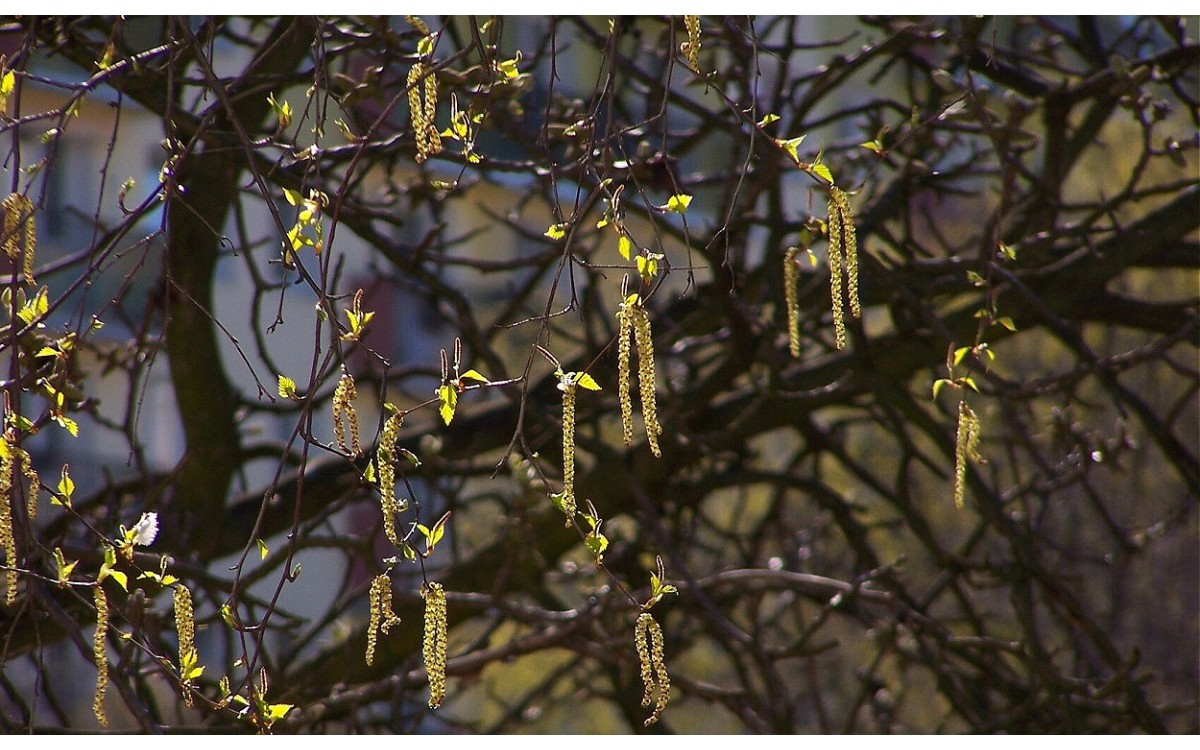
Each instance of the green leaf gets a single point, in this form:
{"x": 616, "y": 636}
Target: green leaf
{"x": 121, "y": 579}
{"x": 277, "y": 711}
{"x": 8, "y": 82}
{"x": 587, "y": 381}
{"x": 647, "y": 266}
{"x": 556, "y": 231}
{"x": 437, "y": 532}
{"x": 596, "y": 544}
{"x": 287, "y": 387}
{"x": 68, "y": 424}
{"x": 508, "y": 68}
{"x": 64, "y": 567}
{"x": 975, "y": 278}
{"x": 475, "y": 375}
{"x": 293, "y": 196}
{"x": 874, "y": 146}
{"x": 557, "y": 499}
{"x": 283, "y": 112}
{"x": 791, "y": 146}
{"x": 624, "y": 246}
{"x": 969, "y": 382}
{"x": 939, "y": 384}
{"x": 1007, "y": 322}
{"x": 767, "y": 120}
{"x": 822, "y": 171}
{"x": 66, "y": 488}
{"x": 679, "y": 203}
{"x": 960, "y": 354}
{"x": 1008, "y": 252}
{"x": 425, "y": 46}
{"x": 262, "y": 549}
{"x": 447, "y": 402}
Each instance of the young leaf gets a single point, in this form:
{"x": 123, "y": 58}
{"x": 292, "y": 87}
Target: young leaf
{"x": 8, "y": 82}
{"x": 587, "y": 381}
{"x": 679, "y": 203}
{"x": 287, "y": 387}
{"x": 596, "y": 544}
{"x": 66, "y": 487}
{"x": 475, "y": 375}
{"x": 822, "y": 171}
{"x": 262, "y": 549}
{"x": 791, "y": 146}
{"x": 68, "y": 424}
{"x": 556, "y": 231}
{"x": 624, "y": 246}
{"x": 447, "y": 402}
{"x": 64, "y": 567}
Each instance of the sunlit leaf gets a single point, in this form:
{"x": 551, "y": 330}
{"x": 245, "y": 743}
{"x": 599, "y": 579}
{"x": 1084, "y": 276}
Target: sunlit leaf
{"x": 679, "y": 203}
{"x": 624, "y": 246}
{"x": 447, "y": 402}
{"x": 287, "y": 387}
{"x": 587, "y": 381}
{"x": 791, "y": 146}
{"x": 596, "y": 544}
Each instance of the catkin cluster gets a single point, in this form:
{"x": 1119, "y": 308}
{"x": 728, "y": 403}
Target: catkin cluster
{"x": 20, "y": 233}
{"x": 843, "y": 258}
{"x": 429, "y": 142}
{"x": 343, "y": 408}
{"x": 966, "y": 447}
{"x": 185, "y": 628}
{"x": 569, "y": 388}
{"x": 382, "y": 616}
{"x": 386, "y": 471}
{"x": 434, "y": 649}
{"x": 648, "y": 639}
{"x": 633, "y": 322}
{"x": 791, "y": 290}
{"x": 100, "y": 653}
{"x": 691, "y": 47}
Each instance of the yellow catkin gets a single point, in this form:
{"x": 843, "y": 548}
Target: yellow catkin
{"x": 418, "y": 23}
{"x": 691, "y": 47}
{"x": 185, "y": 628}
{"x": 791, "y": 290}
{"x": 648, "y": 640}
{"x": 966, "y": 448}
{"x": 382, "y": 616}
{"x": 624, "y": 349}
{"x": 25, "y": 465}
{"x": 422, "y": 78}
{"x": 645, "y": 348}
{"x": 434, "y": 649}
{"x": 20, "y": 232}
{"x": 100, "y": 653}
{"x": 8, "y": 542}
{"x": 386, "y": 472}
{"x": 568, "y": 387}
{"x": 843, "y": 254}
{"x": 343, "y": 408}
